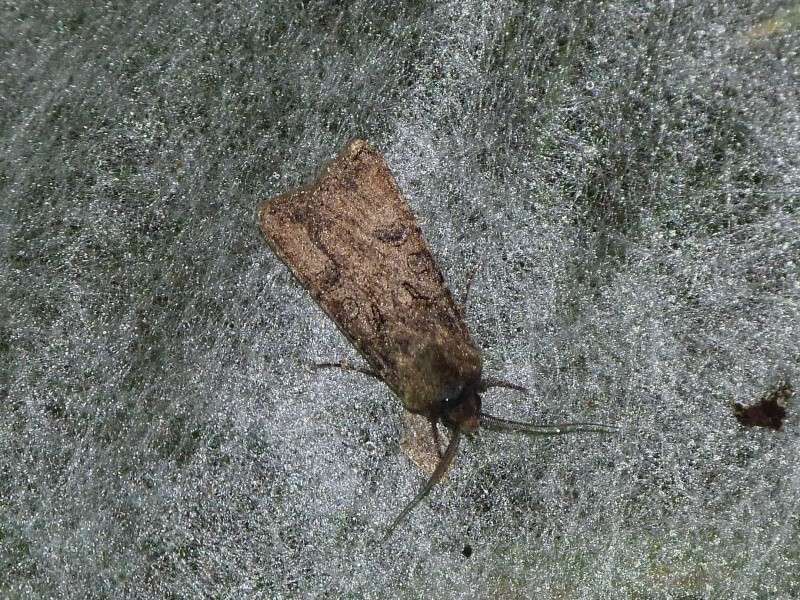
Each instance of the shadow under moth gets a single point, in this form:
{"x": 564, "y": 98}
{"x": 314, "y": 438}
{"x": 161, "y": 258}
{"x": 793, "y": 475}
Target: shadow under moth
{"x": 351, "y": 240}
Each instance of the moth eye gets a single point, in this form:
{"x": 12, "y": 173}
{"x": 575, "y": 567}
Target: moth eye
{"x": 394, "y": 234}
{"x": 453, "y": 397}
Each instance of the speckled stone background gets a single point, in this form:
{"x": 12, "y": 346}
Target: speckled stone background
{"x": 627, "y": 176}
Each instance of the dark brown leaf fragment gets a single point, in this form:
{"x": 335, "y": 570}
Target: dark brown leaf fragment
{"x": 769, "y": 411}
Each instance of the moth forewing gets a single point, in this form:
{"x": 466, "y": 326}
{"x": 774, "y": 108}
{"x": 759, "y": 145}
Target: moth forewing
{"x": 352, "y": 240}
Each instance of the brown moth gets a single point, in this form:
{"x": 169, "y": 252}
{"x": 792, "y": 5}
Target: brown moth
{"x": 351, "y": 240}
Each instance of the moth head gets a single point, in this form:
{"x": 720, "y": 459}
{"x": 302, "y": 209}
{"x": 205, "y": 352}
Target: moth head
{"x": 463, "y": 412}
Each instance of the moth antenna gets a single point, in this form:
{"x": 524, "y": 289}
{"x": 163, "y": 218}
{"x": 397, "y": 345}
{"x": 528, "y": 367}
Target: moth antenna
{"x": 492, "y": 382}
{"x": 508, "y": 426}
{"x": 441, "y": 469}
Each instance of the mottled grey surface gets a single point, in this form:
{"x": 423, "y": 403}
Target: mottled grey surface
{"x": 627, "y": 175}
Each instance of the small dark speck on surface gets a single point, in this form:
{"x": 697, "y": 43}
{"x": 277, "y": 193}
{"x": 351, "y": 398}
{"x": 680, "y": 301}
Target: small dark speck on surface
{"x": 769, "y": 412}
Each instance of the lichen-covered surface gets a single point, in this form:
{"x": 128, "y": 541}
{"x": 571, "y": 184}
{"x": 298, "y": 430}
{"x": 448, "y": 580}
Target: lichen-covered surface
{"x": 627, "y": 176}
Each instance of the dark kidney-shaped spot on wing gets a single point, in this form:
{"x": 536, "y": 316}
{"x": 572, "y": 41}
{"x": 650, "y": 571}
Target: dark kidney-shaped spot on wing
{"x": 769, "y": 411}
{"x": 393, "y": 234}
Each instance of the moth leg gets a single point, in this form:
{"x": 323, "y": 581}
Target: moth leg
{"x": 490, "y": 382}
{"x": 468, "y": 284}
{"x": 346, "y": 366}
{"x": 441, "y": 469}
{"x": 436, "y": 439}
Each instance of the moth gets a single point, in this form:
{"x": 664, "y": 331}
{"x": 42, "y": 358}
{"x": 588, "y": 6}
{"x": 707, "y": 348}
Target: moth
{"x": 352, "y": 241}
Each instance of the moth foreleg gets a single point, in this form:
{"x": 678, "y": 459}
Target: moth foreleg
{"x": 467, "y": 285}
{"x": 346, "y": 366}
{"x": 441, "y": 469}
